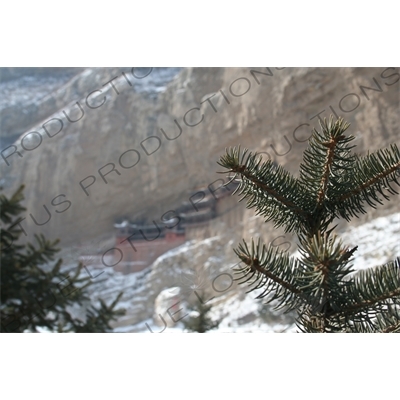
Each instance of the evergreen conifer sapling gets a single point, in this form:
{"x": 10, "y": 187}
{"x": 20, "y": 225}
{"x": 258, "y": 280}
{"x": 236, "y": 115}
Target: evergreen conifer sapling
{"x": 37, "y": 296}
{"x": 199, "y": 321}
{"x": 321, "y": 285}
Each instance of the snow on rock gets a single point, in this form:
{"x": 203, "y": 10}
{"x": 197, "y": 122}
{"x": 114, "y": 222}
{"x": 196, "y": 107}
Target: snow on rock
{"x": 205, "y": 267}
{"x": 378, "y": 241}
{"x": 167, "y": 308}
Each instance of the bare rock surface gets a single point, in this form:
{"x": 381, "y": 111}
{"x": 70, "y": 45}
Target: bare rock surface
{"x": 121, "y": 158}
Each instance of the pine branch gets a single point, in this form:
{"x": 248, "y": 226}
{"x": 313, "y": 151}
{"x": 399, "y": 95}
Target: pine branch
{"x": 372, "y": 288}
{"x": 44, "y": 253}
{"x": 98, "y": 318}
{"x": 325, "y": 264}
{"x": 386, "y": 321}
{"x": 370, "y": 176}
{"x": 322, "y": 171}
{"x": 269, "y": 268}
{"x": 327, "y": 155}
{"x": 270, "y": 189}
{"x": 11, "y": 207}
{"x": 389, "y": 320}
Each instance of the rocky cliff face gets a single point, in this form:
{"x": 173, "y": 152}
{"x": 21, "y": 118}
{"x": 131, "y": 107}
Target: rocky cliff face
{"x": 135, "y": 142}
{"x": 30, "y": 95}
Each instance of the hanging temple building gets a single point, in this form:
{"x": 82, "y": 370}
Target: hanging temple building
{"x": 139, "y": 244}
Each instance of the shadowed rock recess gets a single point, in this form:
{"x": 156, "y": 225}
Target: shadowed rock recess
{"x": 99, "y": 146}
